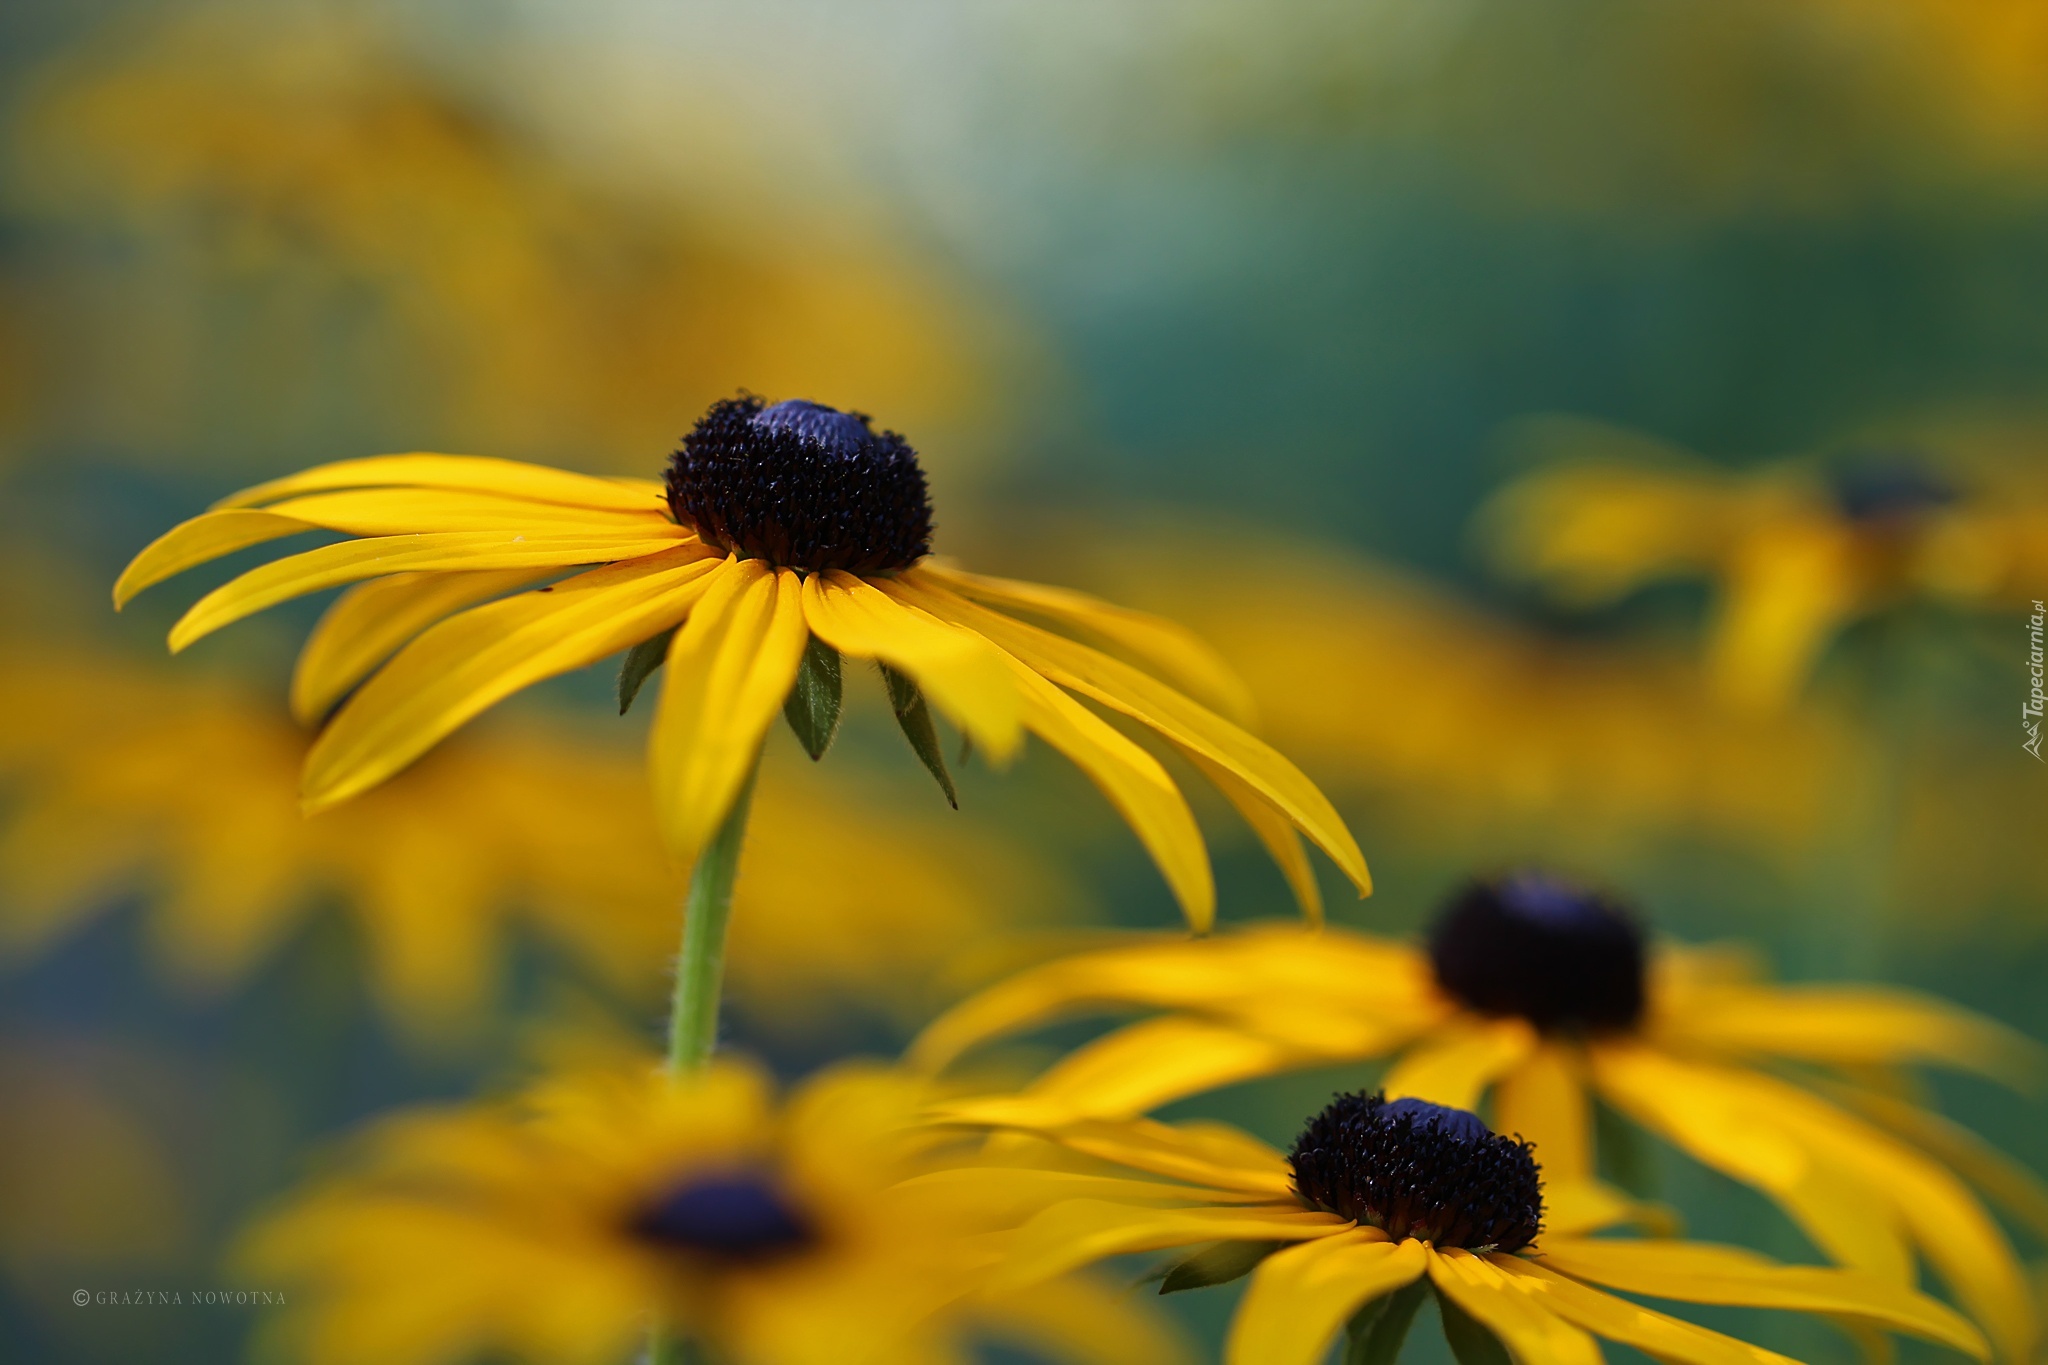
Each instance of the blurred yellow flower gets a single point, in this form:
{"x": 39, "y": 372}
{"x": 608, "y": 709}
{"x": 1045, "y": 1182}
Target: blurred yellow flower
{"x": 1380, "y": 1203}
{"x": 313, "y": 227}
{"x": 1796, "y": 550}
{"x": 1541, "y": 992}
{"x": 558, "y": 1226}
{"x": 786, "y": 537}
{"x": 122, "y": 780}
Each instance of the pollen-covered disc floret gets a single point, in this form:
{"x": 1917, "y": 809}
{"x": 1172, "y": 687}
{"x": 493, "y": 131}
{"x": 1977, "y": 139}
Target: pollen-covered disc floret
{"x": 802, "y": 486}
{"x": 1416, "y": 1169}
{"x": 727, "y": 1216}
{"x": 1562, "y": 956}
{"x": 1886, "y": 486}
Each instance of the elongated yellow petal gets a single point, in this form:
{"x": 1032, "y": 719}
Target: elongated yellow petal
{"x": 370, "y": 621}
{"x": 1134, "y": 783}
{"x": 2010, "y": 1185}
{"x": 1853, "y": 1025}
{"x": 1137, "y": 1069}
{"x": 1543, "y": 1100}
{"x": 511, "y": 478}
{"x": 1533, "y": 1334}
{"x": 1735, "y": 1132}
{"x": 1274, "y": 830}
{"x": 191, "y": 543}
{"x": 413, "y": 511}
{"x": 1210, "y": 1155}
{"x": 1085, "y": 1322}
{"x": 1694, "y": 1272}
{"x": 354, "y": 560}
{"x": 1455, "y": 1068}
{"x": 1586, "y": 1205}
{"x": 1299, "y": 1297}
{"x": 729, "y": 669}
{"x": 962, "y": 674}
{"x": 1665, "y": 1338}
{"x": 1790, "y": 585}
{"x": 1004, "y": 1195}
{"x": 1070, "y": 1235}
{"x": 476, "y": 659}
{"x": 1176, "y": 652}
{"x": 1145, "y": 699}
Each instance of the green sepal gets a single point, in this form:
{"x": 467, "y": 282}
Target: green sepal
{"x": 641, "y": 661}
{"x": 915, "y": 718}
{"x": 1218, "y": 1264}
{"x": 812, "y": 707}
{"x": 1377, "y": 1330}
{"x": 1472, "y": 1341}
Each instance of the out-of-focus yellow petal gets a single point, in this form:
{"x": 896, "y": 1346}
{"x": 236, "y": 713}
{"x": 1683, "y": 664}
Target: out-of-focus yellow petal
{"x": 354, "y": 560}
{"x": 963, "y": 674}
{"x": 2009, "y": 1184}
{"x": 1134, "y": 783}
{"x": 1512, "y": 1309}
{"x": 1070, "y": 1235}
{"x": 1735, "y": 1133}
{"x": 412, "y": 511}
{"x": 1586, "y": 1205}
{"x": 1454, "y": 1068}
{"x": 1086, "y": 1322}
{"x": 370, "y": 621}
{"x": 471, "y": 661}
{"x": 1176, "y": 652}
{"x": 1790, "y": 583}
{"x": 1696, "y": 1272}
{"x": 1147, "y": 700}
{"x": 1275, "y": 831}
{"x": 1211, "y": 1155}
{"x": 191, "y": 543}
{"x": 1853, "y": 1025}
{"x": 729, "y": 669}
{"x": 1543, "y": 1100}
{"x": 511, "y": 478}
{"x": 1137, "y": 1069}
{"x": 1298, "y": 1298}
{"x": 1664, "y": 1338}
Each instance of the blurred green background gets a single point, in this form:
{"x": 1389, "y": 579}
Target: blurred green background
{"x": 1239, "y": 312}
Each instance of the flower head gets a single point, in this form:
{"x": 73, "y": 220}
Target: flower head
{"x": 1537, "y": 993}
{"x": 447, "y": 621}
{"x": 1315, "y": 1267}
{"x": 555, "y": 1227}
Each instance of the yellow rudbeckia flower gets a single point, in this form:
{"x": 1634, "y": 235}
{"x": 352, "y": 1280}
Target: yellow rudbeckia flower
{"x": 783, "y": 534}
{"x": 554, "y": 1228}
{"x": 122, "y": 781}
{"x": 1381, "y": 1203}
{"x": 1797, "y": 550}
{"x": 1542, "y": 993}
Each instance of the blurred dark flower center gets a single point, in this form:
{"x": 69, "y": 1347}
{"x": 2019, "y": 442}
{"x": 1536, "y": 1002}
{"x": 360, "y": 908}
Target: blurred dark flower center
{"x": 1416, "y": 1169}
{"x": 731, "y": 1215}
{"x": 1529, "y": 944}
{"x": 802, "y": 486}
{"x": 1886, "y": 486}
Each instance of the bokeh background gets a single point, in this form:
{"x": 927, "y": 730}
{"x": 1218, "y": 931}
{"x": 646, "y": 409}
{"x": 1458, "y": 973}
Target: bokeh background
{"x": 1245, "y": 313}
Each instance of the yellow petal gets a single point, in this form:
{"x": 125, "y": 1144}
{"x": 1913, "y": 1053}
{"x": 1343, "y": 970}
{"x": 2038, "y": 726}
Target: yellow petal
{"x": 190, "y": 543}
{"x": 1694, "y": 1272}
{"x": 1070, "y": 1235}
{"x": 1665, "y": 1338}
{"x": 472, "y": 661}
{"x": 1512, "y": 1309}
{"x": 1736, "y": 1133}
{"x": 412, "y": 511}
{"x": 1543, "y": 1100}
{"x": 1299, "y": 1297}
{"x": 1174, "y": 651}
{"x": 1455, "y": 1068}
{"x": 354, "y": 560}
{"x": 1790, "y": 585}
{"x": 481, "y": 473}
{"x": 1274, "y": 831}
{"x": 1084, "y": 1322}
{"x": 2012, "y": 1186}
{"x": 962, "y": 674}
{"x": 1853, "y": 1026}
{"x": 729, "y": 669}
{"x": 1137, "y": 1069}
{"x": 1134, "y": 783}
{"x": 1587, "y": 1205}
{"x": 370, "y": 621}
{"x": 1145, "y": 699}
{"x": 1211, "y": 1155}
